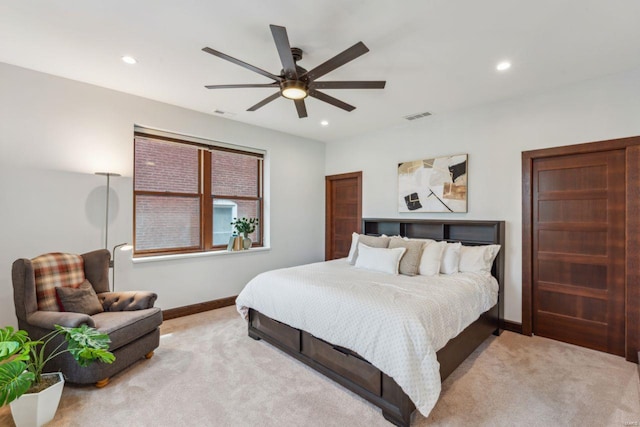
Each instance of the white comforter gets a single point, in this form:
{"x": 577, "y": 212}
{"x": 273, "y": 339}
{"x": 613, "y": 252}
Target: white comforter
{"x": 395, "y": 322}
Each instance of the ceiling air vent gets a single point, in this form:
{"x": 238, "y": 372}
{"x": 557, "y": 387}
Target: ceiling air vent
{"x": 417, "y": 115}
{"x": 224, "y": 113}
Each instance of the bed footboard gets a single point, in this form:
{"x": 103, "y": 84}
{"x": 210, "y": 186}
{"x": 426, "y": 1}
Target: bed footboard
{"x": 341, "y": 365}
{"x": 353, "y": 372}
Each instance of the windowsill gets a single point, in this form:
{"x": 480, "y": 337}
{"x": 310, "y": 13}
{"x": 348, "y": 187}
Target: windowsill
{"x": 196, "y": 255}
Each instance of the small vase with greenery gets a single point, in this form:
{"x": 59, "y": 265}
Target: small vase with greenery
{"x": 22, "y": 360}
{"x": 245, "y": 226}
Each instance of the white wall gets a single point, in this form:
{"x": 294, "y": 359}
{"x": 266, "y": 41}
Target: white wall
{"x": 55, "y": 133}
{"x": 494, "y": 136}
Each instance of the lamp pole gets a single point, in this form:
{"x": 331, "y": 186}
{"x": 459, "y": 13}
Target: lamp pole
{"x": 106, "y": 220}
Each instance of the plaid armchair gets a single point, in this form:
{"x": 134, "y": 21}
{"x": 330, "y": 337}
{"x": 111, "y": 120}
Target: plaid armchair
{"x": 61, "y": 289}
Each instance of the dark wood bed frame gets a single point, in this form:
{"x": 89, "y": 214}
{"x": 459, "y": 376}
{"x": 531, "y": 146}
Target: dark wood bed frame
{"x": 356, "y": 374}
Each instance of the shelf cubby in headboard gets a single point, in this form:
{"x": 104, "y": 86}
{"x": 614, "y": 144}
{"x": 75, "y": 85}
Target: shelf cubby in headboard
{"x": 468, "y": 232}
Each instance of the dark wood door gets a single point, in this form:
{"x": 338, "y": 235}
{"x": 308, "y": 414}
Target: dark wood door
{"x": 343, "y": 212}
{"x": 579, "y": 249}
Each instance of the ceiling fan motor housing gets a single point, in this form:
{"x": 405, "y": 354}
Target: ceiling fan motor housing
{"x": 296, "y": 52}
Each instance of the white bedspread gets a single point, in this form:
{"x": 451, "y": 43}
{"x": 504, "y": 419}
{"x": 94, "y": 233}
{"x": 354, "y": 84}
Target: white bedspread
{"x": 395, "y": 322}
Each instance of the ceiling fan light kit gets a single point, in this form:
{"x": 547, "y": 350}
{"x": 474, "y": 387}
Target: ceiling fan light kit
{"x": 296, "y": 83}
{"x": 293, "y": 89}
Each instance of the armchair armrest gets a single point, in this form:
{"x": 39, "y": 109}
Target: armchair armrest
{"x": 127, "y": 300}
{"x": 47, "y": 319}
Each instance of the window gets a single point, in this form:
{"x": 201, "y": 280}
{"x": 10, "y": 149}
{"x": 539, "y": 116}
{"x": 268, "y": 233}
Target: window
{"x": 186, "y": 193}
{"x": 224, "y": 211}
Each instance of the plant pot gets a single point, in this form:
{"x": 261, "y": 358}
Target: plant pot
{"x": 238, "y": 243}
{"x": 246, "y": 243}
{"x": 36, "y": 409}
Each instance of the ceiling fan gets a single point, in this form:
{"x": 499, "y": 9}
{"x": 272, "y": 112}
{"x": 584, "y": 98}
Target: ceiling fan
{"x": 296, "y": 83}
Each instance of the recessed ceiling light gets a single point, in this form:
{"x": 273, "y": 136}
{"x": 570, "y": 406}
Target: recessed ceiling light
{"x": 324, "y": 123}
{"x": 503, "y": 66}
{"x": 129, "y": 59}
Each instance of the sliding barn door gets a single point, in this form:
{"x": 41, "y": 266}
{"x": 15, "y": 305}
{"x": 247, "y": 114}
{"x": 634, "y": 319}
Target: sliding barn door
{"x": 579, "y": 249}
{"x": 343, "y": 212}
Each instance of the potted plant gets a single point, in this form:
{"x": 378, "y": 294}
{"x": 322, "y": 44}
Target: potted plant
{"x": 245, "y": 226}
{"x": 33, "y": 394}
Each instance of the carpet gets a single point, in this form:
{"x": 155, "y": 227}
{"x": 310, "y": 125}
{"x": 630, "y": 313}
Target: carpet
{"x": 208, "y": 372}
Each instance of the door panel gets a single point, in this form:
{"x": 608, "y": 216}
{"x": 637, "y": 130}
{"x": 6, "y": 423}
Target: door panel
{"x": 592, "y": 210}
{"x": 588, "y": 177}
{"x": 343, "y": 212}
{"x": 573, "y": 274}
{"x": 578, "y": 249}
{"x": 583, "y": 242}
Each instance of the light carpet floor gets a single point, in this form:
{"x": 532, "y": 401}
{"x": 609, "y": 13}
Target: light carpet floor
{"x": 208, "y": 372}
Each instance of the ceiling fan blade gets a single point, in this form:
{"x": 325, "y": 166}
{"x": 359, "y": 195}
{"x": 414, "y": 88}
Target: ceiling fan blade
{"x": 284, "y": 50}
{"x": 242, "y": 86}
{"x": 331, "y": 100}
{"x": 264, "y": 102}
{"x": 242, "y": 64}
{"x": 349, "y": 85}
{"x": 302, "y": 109}
{"x": 340, "y": 59}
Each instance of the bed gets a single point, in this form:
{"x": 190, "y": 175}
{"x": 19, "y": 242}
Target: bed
{"x": 353, "y": 359}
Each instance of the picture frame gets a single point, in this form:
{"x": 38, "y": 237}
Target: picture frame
{"x": 438, "y": 184}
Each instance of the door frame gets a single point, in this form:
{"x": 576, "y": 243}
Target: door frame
{"x": 329, "y": 180}
{"x": 631, "y": 146}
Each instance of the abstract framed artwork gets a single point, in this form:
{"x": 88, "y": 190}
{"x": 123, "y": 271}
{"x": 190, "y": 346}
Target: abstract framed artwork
{"x": 433, "y": 185}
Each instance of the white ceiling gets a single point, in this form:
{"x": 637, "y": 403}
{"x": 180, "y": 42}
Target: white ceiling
{"x": 436, "y": 55}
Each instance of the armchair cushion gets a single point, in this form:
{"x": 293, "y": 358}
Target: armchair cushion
{"x": 127, "y": 300}
{"x": 127, "y": 326}
{"x": 55, "y": 270}
{"x": 82, "y": 299}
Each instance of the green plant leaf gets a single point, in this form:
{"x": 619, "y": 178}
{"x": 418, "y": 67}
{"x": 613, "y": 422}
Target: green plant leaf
{"x": 8, "y": 348}
{"x": 85, "y": 336}
{"x": 87, "y": 344}
{"x": 14, "y": 381}
{"x": 86, "y": 356}
{"x": 9, "y": 334}
{"x": 12, "y": 342}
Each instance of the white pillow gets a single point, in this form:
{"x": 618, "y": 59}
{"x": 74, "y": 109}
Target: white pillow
{"x": 450, "y": 258}
{"x": 430, "y": 260}
{"x": 478, "y": 258}
{"x": 371, "y": 241}
{"x": 379, "y": 259}
{"x": 352, "y": 249}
